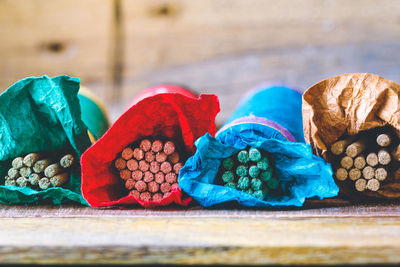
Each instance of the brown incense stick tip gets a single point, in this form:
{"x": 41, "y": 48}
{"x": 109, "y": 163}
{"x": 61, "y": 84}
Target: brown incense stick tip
{"x": 338, "y": 147}
{"x": 157, "y": 146}
{"x": 40, "y": 165}
{"x": 127, "y": 153}
{"x": 165, "y": 188}
{"x": 25, "y": 171}
{"x": 359, "y": 162}
{"x": 355, "y": 148}
{"x": 177, "y": 167}
{"x": 13, "y": 173}
{"x": 169, "y": 147}
{"x": 138, "y": 154}
{"x": 22, "y": 181}
{"x": 161, "y": 157}
{"x": 132, "y": 164}
{"x": 384, "y": 157}
{"x": 143, "y": 165}
{"x": 159, "y": 177}
{"x": 31, "y": 158}
{"x": 18, "y": 163}
{"x": 174, "y": 186}
{"x": 52, "y": 170}
{"x": 67, "y": 161}
{"x": 347, "y": 162}
{"x": 154, "y": 167}
{"x": 153, "y": 187}
{"x": 354, "y": 174}
{"x": 157, "y": 196}
{"x": 372, "y": 159}
{"x": 119, "y": 164}
{"x": 44, "y": 183}
{"x": 174, "y": 157}
{"x": 140, "y": 186}
{"x": 341, "y": 174}
{"x": 171, "y": 178}
{"x": 145, "y": 145}
{"x": 59, "y": 179}
{"x": 145, "y": 196}
{"x": 129, "y": 184}
{"x": 134, "y": 193}
{"x": 368, "y": 172}
{"x": 360, "y": 185}
{"x": 373, "y": 185}
{"x": 381, "y": 174}
{"x": 166, "y": 167}
{"x": 149, "y": 156}
{"x": 396, "y": 153}
{"x": 148, "y": 177}
{"x": 137, "y": 175}
{"x": 383, "y": 140}
{"x": 125, "y": 174}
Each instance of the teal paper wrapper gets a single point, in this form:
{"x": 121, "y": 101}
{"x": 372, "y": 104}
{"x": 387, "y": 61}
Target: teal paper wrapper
{"x": 41, "y": 114}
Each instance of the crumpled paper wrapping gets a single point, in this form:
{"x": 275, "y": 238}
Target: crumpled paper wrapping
{"x": 41, "y": 114}
{"x": 351, "y": 103}
{"x": 168, "y": 113}
{"x": 269, "y": 118}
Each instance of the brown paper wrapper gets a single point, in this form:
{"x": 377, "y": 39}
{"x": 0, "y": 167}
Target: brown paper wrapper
{"x": 349, "y": 104}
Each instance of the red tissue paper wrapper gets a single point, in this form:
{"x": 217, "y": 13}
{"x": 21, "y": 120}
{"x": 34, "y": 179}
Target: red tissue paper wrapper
{"x": 169, "y": 111}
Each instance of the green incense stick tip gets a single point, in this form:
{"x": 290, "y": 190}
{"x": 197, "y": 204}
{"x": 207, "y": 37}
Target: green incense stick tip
{"x": 249, "y": 191}
{"x": 263, "y": 164}
{"x": 243, "y": 183}
{"x": 228, "y": 163}
{"x": 254, "y": 171}
{"x": 243, "y": 156}
{"x": 254, "y": 154}
{"x": 231, "y": 185}
{"x": 241, "y": 171}
{"x": 260, "y": 194}
{"x": 256, "y": 184}
{"x": 227, "y": 177}
{"x": 273, "y": 183}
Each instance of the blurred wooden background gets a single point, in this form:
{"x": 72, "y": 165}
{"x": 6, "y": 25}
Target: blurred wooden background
{"x": 118, "y": 47}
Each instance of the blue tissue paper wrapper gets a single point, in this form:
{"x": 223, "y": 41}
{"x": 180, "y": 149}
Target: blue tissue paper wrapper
{"x": 302, "y": 175}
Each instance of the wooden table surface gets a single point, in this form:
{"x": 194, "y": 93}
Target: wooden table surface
{"x": 324, "y": 232}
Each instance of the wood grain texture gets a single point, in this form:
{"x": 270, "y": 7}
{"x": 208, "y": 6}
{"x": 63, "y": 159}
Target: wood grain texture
{"x": 340, "y": 234}
{"x": 54, "y": 38}
{"x": 229, "y": 47}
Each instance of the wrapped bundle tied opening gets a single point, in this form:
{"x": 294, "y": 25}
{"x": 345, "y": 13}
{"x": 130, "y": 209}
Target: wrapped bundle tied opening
{"x": 254, "y": 159}
{"x": 353, "y": 121}
{"x": 42, "y": 141}
{"x": 139, "y": 158}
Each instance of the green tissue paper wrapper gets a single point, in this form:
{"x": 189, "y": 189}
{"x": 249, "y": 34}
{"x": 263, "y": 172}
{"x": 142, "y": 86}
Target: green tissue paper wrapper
{"x": 41, "y": 114}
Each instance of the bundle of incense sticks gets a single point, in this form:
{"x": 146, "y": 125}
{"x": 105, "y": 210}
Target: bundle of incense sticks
{"x": 39, "y": 171}
{"x": 250, "y": 171}
{"x": 368, "y": 159}
{"x": 150, "y": 168}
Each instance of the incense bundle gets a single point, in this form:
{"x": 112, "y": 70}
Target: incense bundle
{"x": 29, "y": 171}
{"x": 355, "y": 115}
{"x": 380, "y": 145}
{"x": 45, "y": 116}
{"x": 149, "y": 168}
{"x": 254, "y": 160}
{"x": 135, "y": 161}
{"x": 250, "y": 171}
